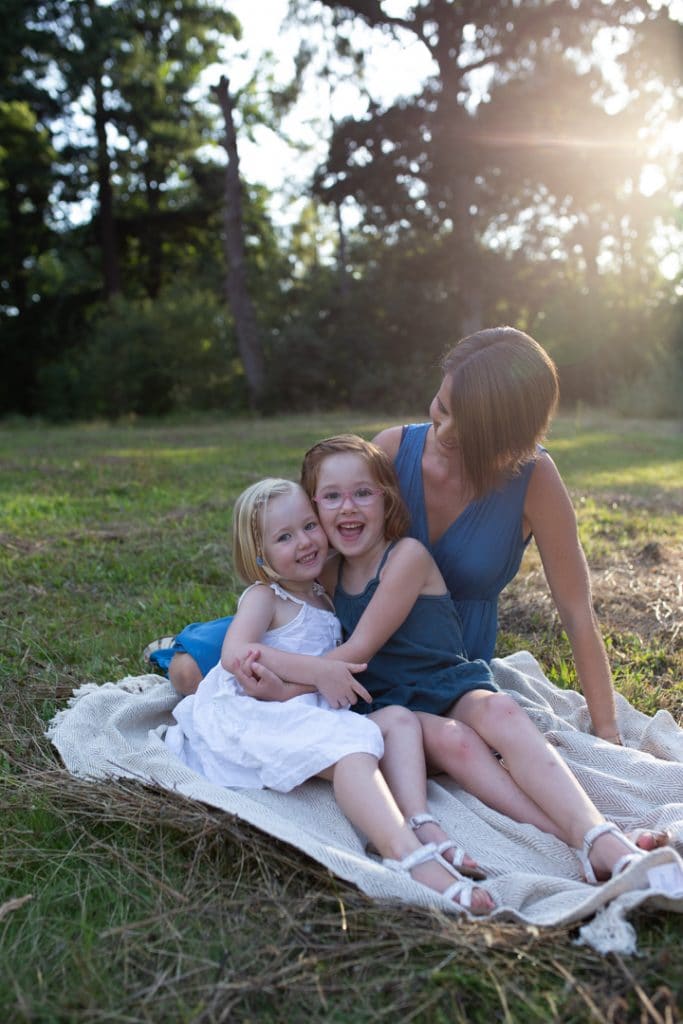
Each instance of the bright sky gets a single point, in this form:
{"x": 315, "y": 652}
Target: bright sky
{"x": 393, "y": 68}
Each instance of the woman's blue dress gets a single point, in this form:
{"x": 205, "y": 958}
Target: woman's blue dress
{"x": 481, "y": 550}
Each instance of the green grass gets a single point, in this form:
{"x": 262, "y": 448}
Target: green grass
{"x": 140, "y": 906}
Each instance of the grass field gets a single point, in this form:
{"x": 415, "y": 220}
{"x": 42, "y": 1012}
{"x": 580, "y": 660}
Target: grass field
{"x": 123, "y": 904}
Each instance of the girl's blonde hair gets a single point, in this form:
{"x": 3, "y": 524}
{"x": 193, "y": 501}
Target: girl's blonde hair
{"x": 504, "y": 391}
{"x": 396, "y": 517}
{"x": 247, "y": 528}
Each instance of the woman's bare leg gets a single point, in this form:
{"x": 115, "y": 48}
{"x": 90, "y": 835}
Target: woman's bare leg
{"x": 539, "y": 771}
{"x": 457, "y": 750}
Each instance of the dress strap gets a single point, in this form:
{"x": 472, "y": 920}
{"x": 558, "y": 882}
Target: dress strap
{"x": 246, "y": 591}
{"x": 384, "y": 557}
{"x": 276, "y": 588}
{"x": 285, "y": 594}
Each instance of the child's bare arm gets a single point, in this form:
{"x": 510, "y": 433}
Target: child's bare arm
{"x": 254, "y": 616}
{"x": 409, "y": 572}
{"x": 263, "y": 684}
{"x": 334, "y": 679}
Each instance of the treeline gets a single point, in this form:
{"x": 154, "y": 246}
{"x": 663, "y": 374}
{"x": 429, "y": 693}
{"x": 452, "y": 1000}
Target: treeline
{"x": 521, "y": 185}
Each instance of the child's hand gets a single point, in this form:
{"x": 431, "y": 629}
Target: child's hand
{"x": 338, "y": 685}
{"x": 258, "y": 681}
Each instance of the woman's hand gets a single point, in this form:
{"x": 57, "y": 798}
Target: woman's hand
{"x": 611, "y": 737}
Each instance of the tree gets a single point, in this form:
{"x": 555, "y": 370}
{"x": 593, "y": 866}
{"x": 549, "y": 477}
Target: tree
{"x": 130, "y": 66}
{"x": 507, "y": 144}
{"x": 236, "y": 275}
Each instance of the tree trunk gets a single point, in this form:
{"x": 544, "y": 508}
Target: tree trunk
{"x": 110, "y": 254}
{"x": 344, "y": 290}
{"x": 248, "y": 339}
{"x": 17, "y": 274}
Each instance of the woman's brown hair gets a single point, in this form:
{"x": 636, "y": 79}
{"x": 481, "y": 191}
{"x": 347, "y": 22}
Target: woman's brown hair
{"x": 396, "y": 518}
{"x": 504, "y": 391}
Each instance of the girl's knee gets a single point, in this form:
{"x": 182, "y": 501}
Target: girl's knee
{"x": 453, "y": 738}
{"x": 395, "y": 718}
{"x": 502, "y": 708}
{"x": 184, "y": 674}
{"x": 500, "y": 720}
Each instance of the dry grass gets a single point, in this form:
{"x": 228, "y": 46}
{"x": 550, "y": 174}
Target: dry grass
{"x": 285, "y": 941}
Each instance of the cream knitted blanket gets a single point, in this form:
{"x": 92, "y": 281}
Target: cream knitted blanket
{"x": 114, "y": 730}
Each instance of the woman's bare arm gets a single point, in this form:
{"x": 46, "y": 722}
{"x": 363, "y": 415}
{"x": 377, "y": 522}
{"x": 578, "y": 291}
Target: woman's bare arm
{"x": 549, "y": 514}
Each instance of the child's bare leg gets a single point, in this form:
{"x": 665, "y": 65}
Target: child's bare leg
{"x": 184, "y": 673}
{"x": 539, "y": 771}
{"x": 457, "y": 750}
{"x": 364, "y": 796}
{"x": 404, "y": 768}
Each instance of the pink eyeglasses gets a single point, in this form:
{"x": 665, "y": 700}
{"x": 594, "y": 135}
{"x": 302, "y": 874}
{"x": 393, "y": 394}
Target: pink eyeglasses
{"x": 334, "y": 499}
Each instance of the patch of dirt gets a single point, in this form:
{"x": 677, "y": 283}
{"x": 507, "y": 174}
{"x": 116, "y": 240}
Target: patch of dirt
{"x": 21, "y": 545}
{"x": 640, "y": 592}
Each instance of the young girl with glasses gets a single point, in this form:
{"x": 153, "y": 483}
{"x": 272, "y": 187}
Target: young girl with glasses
{"x": 375, "y": 762}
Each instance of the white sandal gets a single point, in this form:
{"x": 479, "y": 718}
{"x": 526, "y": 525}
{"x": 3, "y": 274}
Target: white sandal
{"x": 470, "y": 871}
{"x": 634, "y": 854}
{"x": 459, "y": 892}
{"x": 157, "y": 645}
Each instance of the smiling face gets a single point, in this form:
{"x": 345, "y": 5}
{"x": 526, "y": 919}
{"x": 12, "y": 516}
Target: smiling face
{"x": 352, "y": 529}
{"x": 294, "y": 544}
{"x": 441, "y": 415}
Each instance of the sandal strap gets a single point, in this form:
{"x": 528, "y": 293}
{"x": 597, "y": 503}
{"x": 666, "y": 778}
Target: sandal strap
{"x": 422, "y": 819}
{"x": 458, "y": 852}
{"x": 592, "y": 835}
{"x": 446, "y": 844}
{"x": 460, "y": 892}
{"x": 412, "y": 860}
{"x": 625, "y": 862}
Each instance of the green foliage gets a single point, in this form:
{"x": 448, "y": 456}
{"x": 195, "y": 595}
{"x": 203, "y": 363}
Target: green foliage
{"x": 148, "y": 358}
{"x": 657, "y": 391}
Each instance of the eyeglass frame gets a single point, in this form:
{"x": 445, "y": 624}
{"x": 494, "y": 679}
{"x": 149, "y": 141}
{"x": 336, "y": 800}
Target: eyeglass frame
{"x": 374, "y": 491}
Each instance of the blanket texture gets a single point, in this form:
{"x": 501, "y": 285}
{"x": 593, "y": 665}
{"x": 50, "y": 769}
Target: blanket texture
{"x": 115, "y": 730}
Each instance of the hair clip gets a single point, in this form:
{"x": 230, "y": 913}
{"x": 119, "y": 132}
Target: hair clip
{"x": 259, "y": 560}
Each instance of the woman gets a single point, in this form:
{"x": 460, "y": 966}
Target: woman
{"x": 478, "y": 486}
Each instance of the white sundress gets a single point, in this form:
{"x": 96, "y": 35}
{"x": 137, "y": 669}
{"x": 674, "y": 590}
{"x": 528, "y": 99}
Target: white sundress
{"x": 233, "y": 739}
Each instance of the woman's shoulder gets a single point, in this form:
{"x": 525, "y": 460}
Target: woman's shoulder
{"x": 389, "y": 440}
{"x": 393, "y": 438}
{"x": 546, "y": 495}
{"x": 544, "y": 474}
